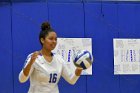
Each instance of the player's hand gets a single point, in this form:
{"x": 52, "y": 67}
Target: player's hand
{"x": 78, "y": 71}
{"x": 34, "y": 56}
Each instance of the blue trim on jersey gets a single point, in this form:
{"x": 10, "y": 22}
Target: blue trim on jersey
{"x": 29, "y": 56}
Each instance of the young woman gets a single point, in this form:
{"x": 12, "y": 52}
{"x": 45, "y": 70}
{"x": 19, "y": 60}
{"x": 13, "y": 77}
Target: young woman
{"x": 45, "y": 68}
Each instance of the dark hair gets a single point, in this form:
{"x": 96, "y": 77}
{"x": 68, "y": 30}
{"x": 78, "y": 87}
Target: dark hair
{"x": 45, "y": 29}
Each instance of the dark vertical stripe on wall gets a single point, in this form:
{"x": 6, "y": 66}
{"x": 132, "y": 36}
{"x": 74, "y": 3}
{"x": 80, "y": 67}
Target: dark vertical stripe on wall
{"x": 84, "y": 33}
{"x": 12, "y": 46}
{"x": 48, "y": 11}
{"x": 118, "y": 29}
{"x": 102, "y": 9}
{"x": 120, "y": 84}
{"x": 84, "y": 17}
{"x": 117, "y": 21}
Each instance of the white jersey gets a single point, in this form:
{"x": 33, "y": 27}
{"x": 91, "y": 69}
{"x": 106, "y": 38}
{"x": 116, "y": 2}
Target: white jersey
{"x": 44, "y": 76}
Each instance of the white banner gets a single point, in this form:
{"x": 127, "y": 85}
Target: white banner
{"x": 67, "y": 47}
{"x": 126, "y": 56}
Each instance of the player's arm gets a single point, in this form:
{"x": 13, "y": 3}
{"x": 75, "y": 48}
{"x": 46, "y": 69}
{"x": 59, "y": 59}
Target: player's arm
{"x": 28, "y": 68}
{"x": 69, "y": 76}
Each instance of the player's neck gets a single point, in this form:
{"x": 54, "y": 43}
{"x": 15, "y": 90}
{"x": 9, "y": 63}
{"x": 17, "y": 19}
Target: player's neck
{"x": 45, "y": 52}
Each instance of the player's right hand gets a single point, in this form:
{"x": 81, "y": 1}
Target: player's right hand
{"x": 78, "y": 71}
{"x": 34, "y": 56}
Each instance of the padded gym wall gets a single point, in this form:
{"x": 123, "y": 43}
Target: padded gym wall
{"x": 101, "y": 24}
{"x": 101, "y": 21}
{"x": 6, "y": 66}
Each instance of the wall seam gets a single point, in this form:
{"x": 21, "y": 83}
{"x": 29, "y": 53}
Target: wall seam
{"x": 11, "y": 10}
{"x": 84, "y": 15}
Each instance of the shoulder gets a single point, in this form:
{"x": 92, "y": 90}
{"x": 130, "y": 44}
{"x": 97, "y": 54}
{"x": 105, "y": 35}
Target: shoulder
{"x": 29, "y": 55}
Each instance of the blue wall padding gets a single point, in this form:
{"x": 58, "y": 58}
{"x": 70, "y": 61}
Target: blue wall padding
{"x": 53, "y": 1}
{"x": 6, "y": 69}
{"x": 65, "y": 1}
{"x": 129, "y": 23}
{"x": 20, "y": 26}
{"x": 67, "y": 19}
{"x": 126, "y": 20}
{"x": 137, "y": 20}
{"x": 97, "y": 23}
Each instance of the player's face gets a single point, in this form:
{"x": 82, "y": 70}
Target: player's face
{"x": 50, "y": 41}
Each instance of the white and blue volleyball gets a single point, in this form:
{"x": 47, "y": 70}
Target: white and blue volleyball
{"x": 83, "y": 59}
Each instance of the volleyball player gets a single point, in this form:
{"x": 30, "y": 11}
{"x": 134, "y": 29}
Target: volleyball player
{"x": 45, "y": 68}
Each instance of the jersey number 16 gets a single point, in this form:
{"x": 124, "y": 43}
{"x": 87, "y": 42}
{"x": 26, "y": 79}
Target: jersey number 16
{"x": 53, "y": 78}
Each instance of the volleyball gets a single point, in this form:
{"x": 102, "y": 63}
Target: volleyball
{"x": 83, "y": 59}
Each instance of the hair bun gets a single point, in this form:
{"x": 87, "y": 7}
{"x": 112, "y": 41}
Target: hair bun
{"x": 45, "y": 26}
